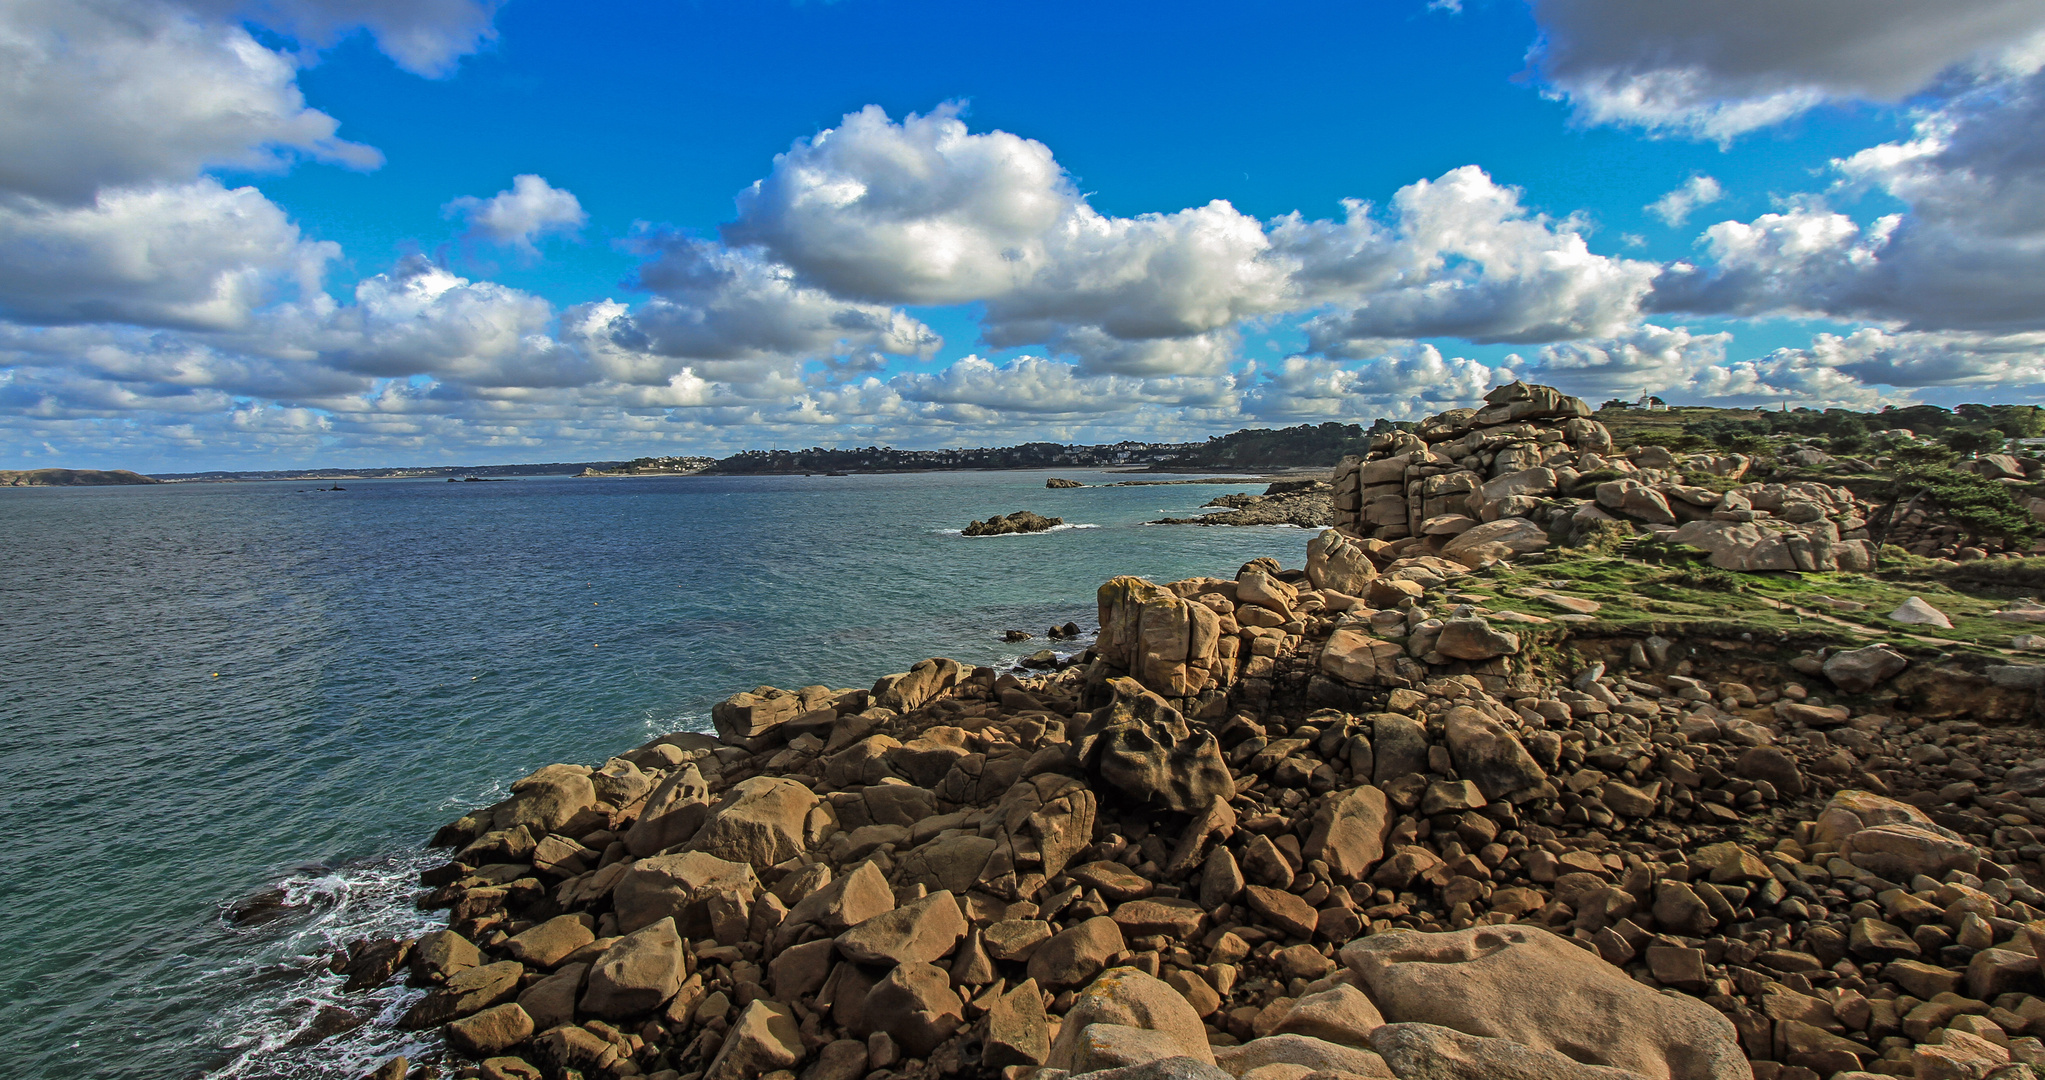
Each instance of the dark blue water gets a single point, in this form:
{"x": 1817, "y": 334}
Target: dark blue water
{"x": 207, "y": 690}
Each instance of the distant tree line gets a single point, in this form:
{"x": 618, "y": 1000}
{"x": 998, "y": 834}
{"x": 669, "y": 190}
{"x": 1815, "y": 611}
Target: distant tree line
{"x": 1307, "y": 445}
{"x": 1036, "y": 455}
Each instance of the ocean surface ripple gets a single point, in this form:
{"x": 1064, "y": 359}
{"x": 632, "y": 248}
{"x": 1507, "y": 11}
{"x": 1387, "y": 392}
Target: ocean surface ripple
{"x": 232, "y": 713}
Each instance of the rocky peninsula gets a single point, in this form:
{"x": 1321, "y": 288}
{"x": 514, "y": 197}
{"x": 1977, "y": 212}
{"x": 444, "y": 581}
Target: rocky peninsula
{"x": 1463, "y": 803}
{"x": 72, "y": 478}
{"x": 1306, "y": 504}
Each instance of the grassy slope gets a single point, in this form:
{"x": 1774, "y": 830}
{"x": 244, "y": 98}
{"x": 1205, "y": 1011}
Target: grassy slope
{"x": 1639, "y": 598}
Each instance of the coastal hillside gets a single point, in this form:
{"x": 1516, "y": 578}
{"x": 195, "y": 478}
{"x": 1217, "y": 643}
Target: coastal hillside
{"x": 1524, "y": 783}
{"x": 651, "y": 466}
{"x": 71, "y": 477}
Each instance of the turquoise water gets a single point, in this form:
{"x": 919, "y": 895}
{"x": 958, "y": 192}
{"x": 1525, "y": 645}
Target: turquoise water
{"x": 210, "y": 690}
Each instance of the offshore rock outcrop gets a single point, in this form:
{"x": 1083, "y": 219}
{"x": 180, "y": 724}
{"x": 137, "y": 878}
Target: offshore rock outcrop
{"x": 1022, "y": 521}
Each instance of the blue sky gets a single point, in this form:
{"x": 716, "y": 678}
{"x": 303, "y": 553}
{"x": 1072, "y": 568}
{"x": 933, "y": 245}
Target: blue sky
{"x": 307, "y": 232}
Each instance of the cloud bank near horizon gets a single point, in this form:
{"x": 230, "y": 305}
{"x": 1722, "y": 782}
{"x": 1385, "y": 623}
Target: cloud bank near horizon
{"x": 149, "y": 309}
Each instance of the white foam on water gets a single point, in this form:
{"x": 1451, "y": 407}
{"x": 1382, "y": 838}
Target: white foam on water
{"x": 997, "y": 536}
{"x": 656, "y": 725}
{"x": 292, "y": 984}
{"x": 490, "y": 794}
{"x": 1014, "y": 663}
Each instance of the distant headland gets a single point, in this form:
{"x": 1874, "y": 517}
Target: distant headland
{"x": 72, "y": 478}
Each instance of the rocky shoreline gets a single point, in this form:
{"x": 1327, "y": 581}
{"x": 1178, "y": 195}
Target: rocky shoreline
{"x": 1369, "y": 817}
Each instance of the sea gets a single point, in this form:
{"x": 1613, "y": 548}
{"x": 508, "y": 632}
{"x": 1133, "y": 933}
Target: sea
{"x": 231, "y": 714}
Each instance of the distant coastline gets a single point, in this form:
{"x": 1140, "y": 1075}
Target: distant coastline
{"x": 401, "y": 472}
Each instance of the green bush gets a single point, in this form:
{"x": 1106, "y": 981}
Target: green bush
{"x": 1707, "y": 578}
{"x": 1973, "y": 442}
{"x": 1681, "y": 442}
{"x": 1921, "y": 456}
{"x": 1847, "y": 442}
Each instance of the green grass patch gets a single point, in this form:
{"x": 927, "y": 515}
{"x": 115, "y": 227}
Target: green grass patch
{"x": 1693, "y": 598}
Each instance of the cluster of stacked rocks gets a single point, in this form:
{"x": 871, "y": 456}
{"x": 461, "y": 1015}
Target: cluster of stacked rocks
{"x": 1532, "y": 462}
{"x": 1250, "y": 839}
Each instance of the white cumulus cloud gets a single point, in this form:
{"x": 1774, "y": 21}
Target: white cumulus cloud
{"x": 1464, "y": 258}
{"x": 715, "y": 303}
{"x": 515, "y": 217}
{"x": 1647, "y": 357}
{"x": 925, "y": 211}
{"x": 196, "y": 255}
{"x": 418, "y": 318}
{"x": 1407, "y": 383}
{"x": 99, "y": 93}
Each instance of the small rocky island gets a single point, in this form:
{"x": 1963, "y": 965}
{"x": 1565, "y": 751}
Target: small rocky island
{"x": 1541, "y": 794}
{"x": 1022, "y": 521}
{"x": 1055, "y": 483}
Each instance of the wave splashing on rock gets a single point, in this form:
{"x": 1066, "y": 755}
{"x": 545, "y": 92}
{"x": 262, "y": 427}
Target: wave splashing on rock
{"x": 293, "y": 1018}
